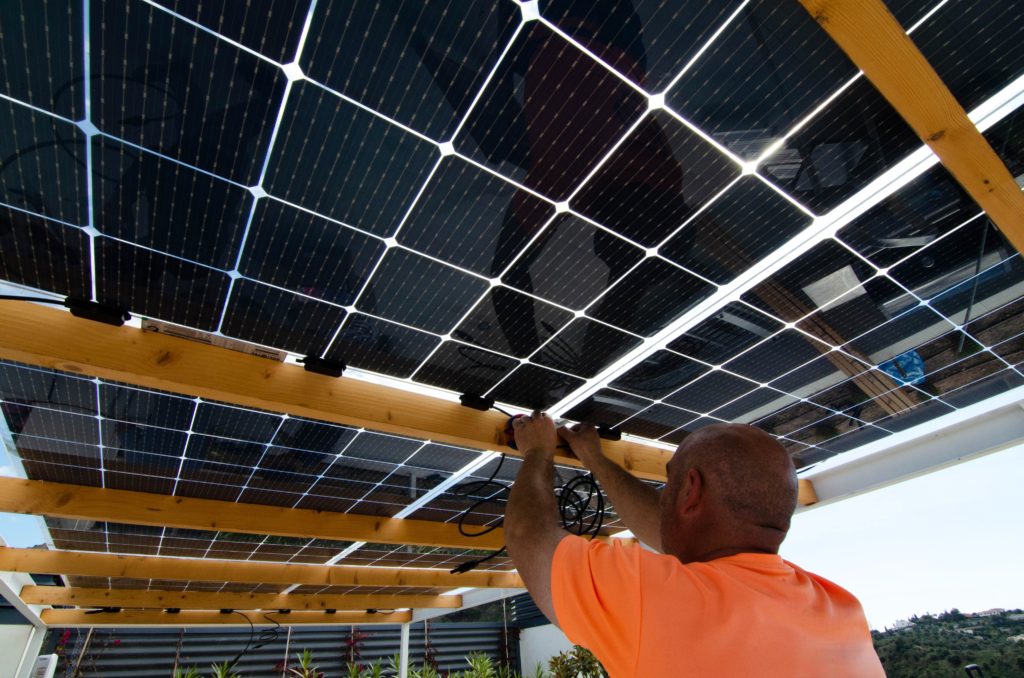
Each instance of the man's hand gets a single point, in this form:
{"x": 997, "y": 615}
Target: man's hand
{"x": 583, "y": 441}
{"x": 535, "y": 433}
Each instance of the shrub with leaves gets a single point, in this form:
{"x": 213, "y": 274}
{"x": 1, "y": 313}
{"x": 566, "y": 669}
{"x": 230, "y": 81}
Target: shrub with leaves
{"x": 223, "y": 670}
{"x": 425, "y": 671}
{"x": 305, "y": 669}
{"x": 577, "y": 663}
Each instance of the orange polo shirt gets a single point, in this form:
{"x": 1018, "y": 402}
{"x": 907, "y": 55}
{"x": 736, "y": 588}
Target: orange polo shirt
{"x": 752, "y": 614}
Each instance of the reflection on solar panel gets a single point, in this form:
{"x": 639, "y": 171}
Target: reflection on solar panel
{"x": 648, "y": 215}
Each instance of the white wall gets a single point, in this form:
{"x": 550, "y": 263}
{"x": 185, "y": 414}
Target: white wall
{"x": 13, "y": 638}
{"x": 539, "y": 644}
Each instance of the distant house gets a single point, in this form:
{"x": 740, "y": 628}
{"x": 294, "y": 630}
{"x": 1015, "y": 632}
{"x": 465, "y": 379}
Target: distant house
{"x": 1016, "y": 639}
{"x": 991, "y": 613}
{"x": 901, "y": 624}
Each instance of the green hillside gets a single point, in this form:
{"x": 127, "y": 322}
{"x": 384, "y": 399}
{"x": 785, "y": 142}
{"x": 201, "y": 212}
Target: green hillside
{"x": 936, "y": 647}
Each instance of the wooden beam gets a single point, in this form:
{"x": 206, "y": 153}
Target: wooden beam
{"x": 85, "y": 564}
{"x": 805, "y": 492}
{"x": 57, "y": 500}
{"x": 80, "y": 618}
{"x": 53, "y": 338}
{"x": 205, "y": 600}
{"x": 878, "y": 45}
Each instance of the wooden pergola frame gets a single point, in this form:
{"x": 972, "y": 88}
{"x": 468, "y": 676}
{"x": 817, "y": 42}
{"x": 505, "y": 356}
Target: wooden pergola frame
{"x": 864, "y": 29}
{"x": 93, "y": 619}
{"x": 204, "y": 600}
{"x": 876, "y": 43}
{"x": 80, "y": 502}
{"x": 94, "y": 564}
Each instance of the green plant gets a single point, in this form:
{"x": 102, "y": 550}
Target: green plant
{"x": 353, "y": 671}
{"x": 374, "y": 670}
{"x": 190, "y": 672}
{"x": 425, "y": 671}
{"x": 305, "y": 669}
{"x": 505, "y": 671}
{"x": 538, "y": 671}
{"x": 223, "y": 670}
{"x": 577, "y": 663}
{"x": 480, "y": 666}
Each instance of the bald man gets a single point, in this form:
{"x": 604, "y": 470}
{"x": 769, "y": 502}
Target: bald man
{"x": 716, "y": 600}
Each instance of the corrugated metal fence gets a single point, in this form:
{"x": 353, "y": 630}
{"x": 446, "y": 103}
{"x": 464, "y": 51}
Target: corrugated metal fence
{"x": 149, "y": 653}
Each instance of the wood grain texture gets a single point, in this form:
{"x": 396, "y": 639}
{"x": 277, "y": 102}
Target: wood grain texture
{"x": 85, "y": 564}
{"x": 53, "y": 338}
{"x": 58, "y": 500}
{"x": 79, "y": 618}
{"x": 205, "y": 600}
{"x": 805, "y": 492}
{"x": 877, "y": 44}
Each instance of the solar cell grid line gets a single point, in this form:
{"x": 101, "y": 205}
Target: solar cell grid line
{"x": 368, "y": 282}
{"x": 772, "y": 148}
{"x": 255, "y": 467}
{"x": 322, "y": 474}
{"x": 829, "y": 225}
{"x": 457, "y": 477}
{"x": 390, "y": 473}
{"x": 444, "y": 151}
{"x": 90, "y": 130}
{"x": 706, "y": 46}
{"x": 712, "y": 417}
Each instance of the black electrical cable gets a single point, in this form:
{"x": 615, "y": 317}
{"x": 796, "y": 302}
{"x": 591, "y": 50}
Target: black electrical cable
{"x": 574, "y": 501}
{"x": 266, "y": 636}
{"x": 37, "y": 300}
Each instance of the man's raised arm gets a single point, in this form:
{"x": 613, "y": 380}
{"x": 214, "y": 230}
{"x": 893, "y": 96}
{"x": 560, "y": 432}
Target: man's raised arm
{"x": 532, "y": 533}
{"x": 636, "y": 502}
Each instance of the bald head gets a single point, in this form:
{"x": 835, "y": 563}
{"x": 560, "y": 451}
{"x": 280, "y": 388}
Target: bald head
{"x": 731, "y": 487}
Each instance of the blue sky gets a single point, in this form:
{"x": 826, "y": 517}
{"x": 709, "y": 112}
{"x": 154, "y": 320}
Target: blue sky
{"x": 18, "y": 530}
{"x": 952, "y": 538}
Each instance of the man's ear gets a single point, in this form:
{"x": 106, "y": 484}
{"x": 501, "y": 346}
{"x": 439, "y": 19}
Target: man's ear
{"x": 691, "y": 493}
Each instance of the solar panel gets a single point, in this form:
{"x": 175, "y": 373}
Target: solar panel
{"x": 641, "y": 214}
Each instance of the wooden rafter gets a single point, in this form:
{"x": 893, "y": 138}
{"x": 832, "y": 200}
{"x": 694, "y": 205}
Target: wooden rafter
{"x": 80, "y": 618}
{"x": 58, "y": 500}
{"x": 56, "y": 339}
{"x": 204, "y": 600}
{"x": 85, "y": 564}
{"x": 876, "y": 43}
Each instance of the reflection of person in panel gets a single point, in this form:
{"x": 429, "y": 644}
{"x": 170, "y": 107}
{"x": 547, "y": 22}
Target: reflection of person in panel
{"x": 715, "y": 599}
{"x": 612, "y": 31}
{"x": 535, "y": 141}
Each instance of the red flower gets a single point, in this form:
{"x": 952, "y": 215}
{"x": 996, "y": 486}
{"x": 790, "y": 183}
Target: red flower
{"x": 117, "y": 641}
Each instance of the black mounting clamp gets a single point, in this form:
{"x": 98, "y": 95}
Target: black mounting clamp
{"x": 324, "y": 366}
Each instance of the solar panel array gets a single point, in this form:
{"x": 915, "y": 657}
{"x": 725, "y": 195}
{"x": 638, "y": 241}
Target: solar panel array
{"x": 516, "y": 200}
{"x": 70, "y": 429}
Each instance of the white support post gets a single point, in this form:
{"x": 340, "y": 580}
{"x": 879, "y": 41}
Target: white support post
{"x": 403, "y": 660}
{"x": 11, "y": 584}
{"x": 30, "y": 652}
